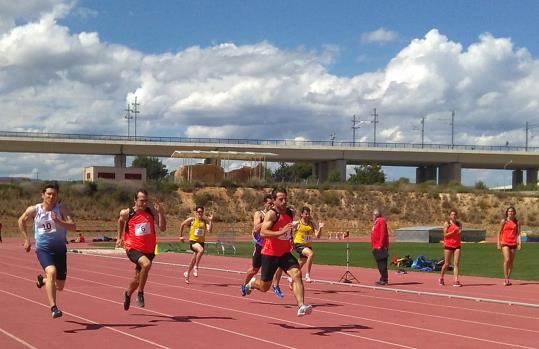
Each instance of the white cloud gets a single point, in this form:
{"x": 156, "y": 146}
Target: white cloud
{"x": 56, "y": 81}
{"x": 379, "y": 36}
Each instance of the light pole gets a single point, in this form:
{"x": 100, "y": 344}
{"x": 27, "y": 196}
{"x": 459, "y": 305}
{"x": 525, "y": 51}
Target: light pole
{"x": 355, "y": 125}
{"x": 528, "y": 127}
{"x": 128, "y": 116}
{"x": 504, "y": 175}
{"x": 422, "y": 123}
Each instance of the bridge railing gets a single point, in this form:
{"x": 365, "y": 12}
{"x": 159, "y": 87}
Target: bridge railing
{"x": 270, "y": 142}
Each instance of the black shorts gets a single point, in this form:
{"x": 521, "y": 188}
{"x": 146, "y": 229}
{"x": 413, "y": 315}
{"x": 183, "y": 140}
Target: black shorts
{"x": 191, "y": 243}
{"x": 270, "y": 264}
{"x": 512, "y": 247}
{"x": 257, "y": 256}
{"x": 135, "y": 255}
{"x": 451, "y": 248}
{"x": 299, "y": 249}
{"x": 58, "y": 258}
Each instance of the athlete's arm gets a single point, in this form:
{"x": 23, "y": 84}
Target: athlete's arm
{"x": 318, "y": 229}
{"x": 66, "y": 219}
{"x": 269, "y": 220}
{"x": 499, "y": 245}
{"x": 124, "y": 214}
{"x": 188, "y": 221}
{"x": 158, "y": 211}
{"x": 446, "y": 226}
{"x": 29, "y": 213}
{"x": 257, "y": 222}
{"x": 519, "y": 240}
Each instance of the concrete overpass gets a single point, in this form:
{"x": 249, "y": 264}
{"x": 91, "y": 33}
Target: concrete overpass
{"x": 438, "y": 162}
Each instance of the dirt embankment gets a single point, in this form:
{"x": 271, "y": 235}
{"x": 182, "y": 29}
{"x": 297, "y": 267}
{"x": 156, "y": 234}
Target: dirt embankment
{"x": 232, "y": 208}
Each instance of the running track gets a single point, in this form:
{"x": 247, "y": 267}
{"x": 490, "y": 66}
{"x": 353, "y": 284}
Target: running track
{"x": 211, "y": 312}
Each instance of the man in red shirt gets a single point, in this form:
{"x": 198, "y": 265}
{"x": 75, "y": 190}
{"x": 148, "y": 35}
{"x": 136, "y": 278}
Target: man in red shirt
{"x": 380, "y": 245}
{"x": 276, "y": 250}
{"x": 136, "y": 229}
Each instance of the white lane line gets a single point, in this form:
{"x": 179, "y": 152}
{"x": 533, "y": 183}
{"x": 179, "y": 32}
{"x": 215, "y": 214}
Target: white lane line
{"x": 142, "y": 309}
{"x": 15, "y": 338}
{"x": 80, "y": 317}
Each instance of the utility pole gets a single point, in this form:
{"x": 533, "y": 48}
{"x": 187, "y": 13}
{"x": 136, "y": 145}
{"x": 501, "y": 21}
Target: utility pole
{"x": 135, "y": 111}
{"x": 452, "y": 129}
{"x": 354, "y": 127}
{"x": 128, "y": 116}
{"x": 374, "y": 121}
{"x": 529, "y": 126}
{"x": 332, "y": 138}
{"x": 422, "y": 131}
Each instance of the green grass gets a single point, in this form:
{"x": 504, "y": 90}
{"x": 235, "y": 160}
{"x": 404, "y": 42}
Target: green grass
{"x": 476, "y": 259}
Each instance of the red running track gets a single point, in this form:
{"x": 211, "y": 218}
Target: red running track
{"x": 211, "y": 312}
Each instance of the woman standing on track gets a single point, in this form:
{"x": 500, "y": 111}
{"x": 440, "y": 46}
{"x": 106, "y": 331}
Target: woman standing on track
{"x": 452, "y": 238}
{"x": 509, "y": 241}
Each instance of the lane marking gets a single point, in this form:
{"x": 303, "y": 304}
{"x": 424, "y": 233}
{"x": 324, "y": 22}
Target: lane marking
{"x": 15, "y": 338}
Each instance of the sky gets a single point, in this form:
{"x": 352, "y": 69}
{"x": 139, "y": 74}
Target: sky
{"x": 268, "y": 70}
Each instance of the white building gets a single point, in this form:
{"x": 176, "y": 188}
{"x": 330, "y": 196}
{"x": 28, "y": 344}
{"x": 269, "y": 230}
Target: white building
{"x": 133, "y": 175}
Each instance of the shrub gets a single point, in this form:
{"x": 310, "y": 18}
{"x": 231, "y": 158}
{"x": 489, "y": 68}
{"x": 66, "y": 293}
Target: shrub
{"x": 330, "y": 198}
{"x": 202, "y": 198}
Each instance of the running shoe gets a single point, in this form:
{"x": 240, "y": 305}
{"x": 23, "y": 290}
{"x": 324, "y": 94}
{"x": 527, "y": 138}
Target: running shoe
{"x": 243, "y": 290}
{"x": 381, "y": 283}
{"x": 277, "y": 290}
{"x": 40, "y": 283}
{"x": 441, "y": 282}
{"x": 140, "y": 299}
{"x": 55, "y": 312}
{"x": 308, "y": 278}
{"x": 457, "y": 284}
{"x": 305, "y": 309}
{"x": 249, "y": 286}
{"x": 507, "y": 282}
{"x": 186, "y": 277}
{"x": 195, "y": 271}
{"x": 127, "y": 301}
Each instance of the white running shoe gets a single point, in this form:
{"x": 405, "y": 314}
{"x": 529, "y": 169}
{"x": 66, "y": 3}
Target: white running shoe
{"x": 186, "y": 277}
{"x": 308, "y": 278}
{"x": 305, "y": 309}
{"x": 195, "y": 271}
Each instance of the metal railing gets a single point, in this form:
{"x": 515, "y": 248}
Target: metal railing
{"x": 275, "y": 142}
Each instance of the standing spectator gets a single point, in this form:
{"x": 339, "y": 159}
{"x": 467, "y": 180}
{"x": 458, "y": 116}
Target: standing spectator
{"x": 51, "y": 223}
{"x": 508, "y": 241}
{"x": 136, "y": 229}
{"x": 452, "y": 238}
{"x": 380, "y": 245}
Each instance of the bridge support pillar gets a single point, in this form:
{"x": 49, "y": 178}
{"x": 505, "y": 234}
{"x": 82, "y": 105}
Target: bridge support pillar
{"x": 216, "y": 162}
{"x": 321, "y": 170}
{"x": 120, "y": 160}
{"x": 531, "y": 177}
{"x": 449, "y": 173}
{"x": 518, "y": 179}
{"x": 425, "y": 173}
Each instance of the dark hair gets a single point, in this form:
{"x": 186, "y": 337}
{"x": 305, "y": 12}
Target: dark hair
{"x": 199, "y": 207}
{"x": 456, "y": 222}
{"x": 514, "y": 210}
{"x": 143, "y": 191}
{"x": 278, "y": 190}
{"x": 305, "y": 209}
{"x": 266, "y": 197}
{"x": 453, "y": 210}
{"x": 53, "y": 185}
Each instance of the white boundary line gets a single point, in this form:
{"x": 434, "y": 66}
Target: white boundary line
{"x": 386, "y": 289}
{"x": 80, "y": 317}
{"x": 15, "y": 338}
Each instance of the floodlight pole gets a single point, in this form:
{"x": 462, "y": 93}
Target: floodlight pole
{"x": 128, "y": 116}
{"x": 374, "y": 122}
{"x": 135, "y": 111}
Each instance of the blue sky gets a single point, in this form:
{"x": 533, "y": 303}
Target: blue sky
{"x": 222, "y": 68}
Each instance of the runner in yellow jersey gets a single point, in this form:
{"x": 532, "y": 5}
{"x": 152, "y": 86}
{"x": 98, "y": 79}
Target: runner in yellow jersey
{"x": 304, "y": 231}
{"x": 199, "y": 227}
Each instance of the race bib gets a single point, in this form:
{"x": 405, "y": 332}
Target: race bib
{"x": 286, "y": 236}
{"x": 46, "y": 226}
{"x": 199, "y": 232}
{"x": 142, "y": 229}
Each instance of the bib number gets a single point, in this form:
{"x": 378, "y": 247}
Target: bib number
{"x": 286, "y": 236}
{"x": 46, "y": 227}
{"x": 199, "y": 232}
{"x": 142, "y": 229}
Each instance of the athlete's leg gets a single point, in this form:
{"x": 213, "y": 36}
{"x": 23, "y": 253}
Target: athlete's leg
{"x": 50, "y": 284}
{"x": 456, "y": 260}
{"x": 447, "y": 259}
{"x": 506, "y": 251}
{"x": 145, "y": 265}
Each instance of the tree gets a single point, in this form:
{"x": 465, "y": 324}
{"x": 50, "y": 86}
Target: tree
{"x": 155, "y": 169}
{"x": 292, "y": 173}
{"x": 367, "y": 174}
{"x": 334, "y": 176}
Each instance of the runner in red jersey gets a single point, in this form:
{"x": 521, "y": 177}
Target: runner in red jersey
{"x": 508, "y": 241}
{"x": 276, "y": 251}
{"x": 452, "y": 236}
{"x": 136, "y": 229}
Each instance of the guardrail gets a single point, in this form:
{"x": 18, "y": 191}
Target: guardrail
{"x": 276, "y": 142}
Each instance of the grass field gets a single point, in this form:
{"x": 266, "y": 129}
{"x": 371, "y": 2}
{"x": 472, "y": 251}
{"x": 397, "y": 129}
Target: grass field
{"x": 476, "y": 259}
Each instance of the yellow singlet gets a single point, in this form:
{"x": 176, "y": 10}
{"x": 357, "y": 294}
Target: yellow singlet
{"x": 303, "y": 234}
{"x": 197, "y": 232}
